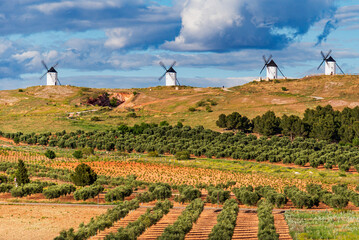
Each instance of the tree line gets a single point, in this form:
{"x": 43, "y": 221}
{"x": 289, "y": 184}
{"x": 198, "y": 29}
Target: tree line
{"x": 322, "y": 123}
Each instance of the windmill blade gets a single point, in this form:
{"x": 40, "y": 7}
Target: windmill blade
{"x": 269, "y": 58}
{"x": 281, "y": 72}
{"x": 178, "y": 82}
{"x": 58, "y": 80}
{"x": 321, "y": 53}
{"x": 264, "y": 59}
{"x": 321, "y": 64}
{"x": 44, "y": 64}
{"x": 55, "y": 65}
{"x": 163, "y": 65}
{"x": 43, "y": 75}
{"x": 263, "y": 68}
{"x": 340, "y": 68}
{"x": 330, "y": 51}
{"x": 159, "y": 79}
{"x": 174, "y": 63}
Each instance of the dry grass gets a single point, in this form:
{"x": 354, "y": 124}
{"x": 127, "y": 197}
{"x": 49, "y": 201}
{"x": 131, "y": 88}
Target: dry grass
{"x": 46, "y": 108}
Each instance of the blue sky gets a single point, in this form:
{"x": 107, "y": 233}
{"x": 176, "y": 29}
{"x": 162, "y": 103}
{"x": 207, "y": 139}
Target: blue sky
{"x": 118, "y": 43}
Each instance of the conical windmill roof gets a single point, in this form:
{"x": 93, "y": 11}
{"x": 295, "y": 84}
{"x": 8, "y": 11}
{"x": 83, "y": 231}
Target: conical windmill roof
{"x": 171, "y": 70}
{"x": 272, "y": 64}
{"x": 52, "y": 69}
{"x": 330, "y": 59}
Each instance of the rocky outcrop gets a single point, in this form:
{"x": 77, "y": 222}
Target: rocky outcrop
{"x": 109, "y": 99}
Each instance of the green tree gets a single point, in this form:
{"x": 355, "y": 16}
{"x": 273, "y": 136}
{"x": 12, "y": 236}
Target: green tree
{"x": 21, "y": 174}
{"x": 50, "y": 154}
{"x": 221, "y": 122}
{"x": 267, "y": 124}
{"x": 293, "y": 126}
{"x": 83, "y": 175}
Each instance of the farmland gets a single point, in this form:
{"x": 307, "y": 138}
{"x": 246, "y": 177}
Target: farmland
{"x": 152, "y": 179}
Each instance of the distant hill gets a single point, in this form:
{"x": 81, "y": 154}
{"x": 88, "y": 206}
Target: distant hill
{"x": 55, "y": 108}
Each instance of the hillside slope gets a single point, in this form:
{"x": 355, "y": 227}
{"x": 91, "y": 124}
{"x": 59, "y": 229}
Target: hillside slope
{"x": 55, "y": 108}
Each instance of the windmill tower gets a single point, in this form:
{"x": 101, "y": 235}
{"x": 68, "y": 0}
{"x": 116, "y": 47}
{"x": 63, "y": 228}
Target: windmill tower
{"x": 330, "y": 64}
{"x": 272, "y": 68}
{"x": 51, "y": 75}
{"x": 171, "y": 75}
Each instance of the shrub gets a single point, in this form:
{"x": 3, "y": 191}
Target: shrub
{"x": 284, "y": 89}
{"x": 5, "y": 187}
{"x": 95, "y": 119}
{"x": 153, "y": 154}
{"x": 50, "y": 154}
{"x": 3, "y": 179}
{"x": 77, "y": 154}
{"x": 83, "y": 175}
{"x": 183, "y": 155}
{"x": 192, "y": 109}
{"x": 131, "y": 115}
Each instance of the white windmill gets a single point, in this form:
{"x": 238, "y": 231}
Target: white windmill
{"x": 330, "y": 64}
{"x": 272, "y": 68}
{"x": 171, "y": 75}
{"x": 51, "y": 75}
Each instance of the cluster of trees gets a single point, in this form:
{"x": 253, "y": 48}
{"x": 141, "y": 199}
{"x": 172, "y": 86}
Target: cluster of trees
{"x": 226, "y": 221}
{"x": 272, "y": 196}
{"x": 156, "y": 191}
{"x": 323, "y": 123}
{"x": 199, "y": 141}
{"x": 136, "y": 228}
{"x": 184, "y": 222}
{"x": 217, "y": 194}
{"x": 29, "y": 188}
{"x": 300, "y": 198}
{"x": 187, "y": 193}
{"x": 58, "y": 190}
{"x": 118, "y": 193}
{"x": 266, "y": 228}
{"x": 250, "y": 196}
{"x": 246, "y": 195}
{"x": 88, "y": 192}
{"x": 101, "y": 222}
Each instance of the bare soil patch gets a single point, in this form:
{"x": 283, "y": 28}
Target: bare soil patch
{"x": 42, "y": 222}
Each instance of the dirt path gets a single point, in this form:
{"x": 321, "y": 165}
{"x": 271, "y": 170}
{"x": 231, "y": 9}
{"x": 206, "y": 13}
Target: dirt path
{"x": 246, "y": 225}
{"x": 131, "y": 217}
{"x": 156, "y": 230}
{"x": 281, "y": 226}
{"x": 203, "y": 227}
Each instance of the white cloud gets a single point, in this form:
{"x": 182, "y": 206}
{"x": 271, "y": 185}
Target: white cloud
{"x": 212, "y": 25}
{"x": 118, "y": 37}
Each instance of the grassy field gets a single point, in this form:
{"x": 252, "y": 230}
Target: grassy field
{"x": 323, "y": 225}
{"x": 47, "y": 108}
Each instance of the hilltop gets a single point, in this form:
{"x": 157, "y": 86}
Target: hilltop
{"x": 55, "y": 108}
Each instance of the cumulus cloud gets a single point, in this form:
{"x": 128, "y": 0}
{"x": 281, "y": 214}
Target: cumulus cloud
{"x": 211, "y": 25}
